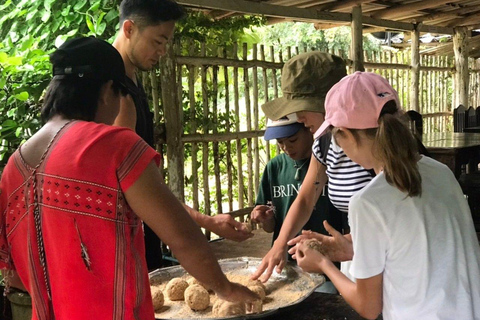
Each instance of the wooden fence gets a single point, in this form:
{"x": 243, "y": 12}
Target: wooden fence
{"x": 219, "y": 126}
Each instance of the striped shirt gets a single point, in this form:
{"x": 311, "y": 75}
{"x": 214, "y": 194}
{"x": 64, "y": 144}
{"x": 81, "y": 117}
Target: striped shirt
{"x": 345, "y": 177}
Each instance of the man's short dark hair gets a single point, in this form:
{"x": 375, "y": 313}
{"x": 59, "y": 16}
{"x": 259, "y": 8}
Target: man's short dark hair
{"x": 150, "y": 12}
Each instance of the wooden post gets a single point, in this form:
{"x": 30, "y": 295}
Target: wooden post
{"x": 415, "y": 71}
{"x": 173, "y": 124}
{"x": 460, "y": 48}
{"x": 356, "y": 50}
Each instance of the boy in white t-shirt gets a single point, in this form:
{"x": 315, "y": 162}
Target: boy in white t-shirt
{"x": 416, "y": 251}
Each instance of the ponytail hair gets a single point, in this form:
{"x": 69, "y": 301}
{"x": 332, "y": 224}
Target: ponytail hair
{"x": 397, "y": 148}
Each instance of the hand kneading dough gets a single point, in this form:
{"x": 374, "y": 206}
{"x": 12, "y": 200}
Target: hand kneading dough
{"x": 223, "y": 308}
{"x": 251, "y": 283}
{"x": 257, "y": 306}
{"x": 258, "y": 290}
{"x": 157, "y": 298}
{"x": 197, "y": 297}
{"x": 315, "y": 245}
{"x": 191, "y": 281}
{"x": 247, "y": 226}
{"x": 176, "y": 288}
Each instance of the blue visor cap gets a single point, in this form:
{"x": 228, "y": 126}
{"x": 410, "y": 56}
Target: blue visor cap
{"x": 280, "y": 132}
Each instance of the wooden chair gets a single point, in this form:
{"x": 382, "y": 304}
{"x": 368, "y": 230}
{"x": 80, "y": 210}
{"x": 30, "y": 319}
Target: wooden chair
{"x": 471, "y": 118}
{"x": 477, "y": 112}
{"x": 417, "y": 120}
{"x": 459, "y": 118}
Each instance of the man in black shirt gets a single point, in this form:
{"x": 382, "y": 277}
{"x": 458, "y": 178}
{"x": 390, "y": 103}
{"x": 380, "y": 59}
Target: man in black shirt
{"x": 146, "y": 26}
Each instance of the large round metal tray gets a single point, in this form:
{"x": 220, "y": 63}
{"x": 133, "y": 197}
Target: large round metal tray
{"x": 291, "y": 282}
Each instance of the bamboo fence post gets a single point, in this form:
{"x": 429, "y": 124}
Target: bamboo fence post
{"x": 248, "y": 108}
{"x": 206, "y": 113}
{"x": 216, "y": 156}
{"x": 237, "y": 129}
{"x": 255, "y": 122}
{"x": 444, "y": 89}
{"x": 228, "y": 143}
{"x": 389, "y": 71}
{"x": 430, "y": 91}
{"x": 193, "y": 126}
{"x": 415, "y": 71}
{"x": 265, "y": 86}
{"x": 356, "y": 53}
{"x": 275, "y": 85}
{"x": 173, "y": 125}
{"x": 460, "y": 48}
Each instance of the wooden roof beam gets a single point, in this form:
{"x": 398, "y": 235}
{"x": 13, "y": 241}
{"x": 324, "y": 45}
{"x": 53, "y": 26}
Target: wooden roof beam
{"x": 306, "y": 15}
{"x": 402, "y": 9}
{"x": 260, "y": 8}
{"x": 465, "y": 21}
{"x": 457, "y": 13}
{"x": 340, "y": 5}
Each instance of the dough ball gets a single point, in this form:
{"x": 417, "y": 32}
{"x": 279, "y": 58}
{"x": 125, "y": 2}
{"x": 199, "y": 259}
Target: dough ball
{"x": 223, "y": 308}
{"x": 176, "y": 288}
{"x": 197, "y": 297}
{"x": 257, "y": 306}
{"x": 251, "y": 283}
{"x": 315, "y": 245}
{"x": 157, "y": 298}
{"x": 247, "y": 226}
{"x": 258, "y": 290}
{"x": 192, "y": 281}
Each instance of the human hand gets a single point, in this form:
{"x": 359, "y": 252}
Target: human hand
{"x": 236, "y": 292}
{"x": 337, "y": 247}
{"x": 275, "y": 257}
{"x": 307, "y": 258}
{"x": 264, "y": 214}
{"x": 261, "y": 214}
{"x": 226, "y": 226}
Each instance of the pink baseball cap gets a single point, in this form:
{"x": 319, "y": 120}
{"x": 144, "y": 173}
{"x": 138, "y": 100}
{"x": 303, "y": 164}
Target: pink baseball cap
{"x": 356, "y": 101}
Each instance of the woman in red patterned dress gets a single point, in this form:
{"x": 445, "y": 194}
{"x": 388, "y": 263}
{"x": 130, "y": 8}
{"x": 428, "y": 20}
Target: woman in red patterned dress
{"x": 74, "y": 197}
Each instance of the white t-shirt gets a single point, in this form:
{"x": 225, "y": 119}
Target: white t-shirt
{"x": 425, "y": 246}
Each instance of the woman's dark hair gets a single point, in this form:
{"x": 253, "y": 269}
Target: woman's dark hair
{"x": 73, "y": 98}
{"x": 150, "y": 12}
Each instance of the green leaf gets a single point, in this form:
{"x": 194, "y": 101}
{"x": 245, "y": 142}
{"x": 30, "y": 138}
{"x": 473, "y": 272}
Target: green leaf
{"x": 90, "y": 26}
{"x": 14, "y": 61}
{"x": 101, "y": 28}
{"x": 100, "y": 17}
{"x": 112, "y": 14}
{"x": 9, "y": 124}
{"x": 18, "y": 131}
{"x": 31, "y": 14}
{"x": 22, "y": 96}
{"x": 79, "y": 5}
{"x": 27, "y": 43}
{"x": 48, "y": 4}
{"x": 5, "y": 5}
{"x": 46, "y": 16}
{"x": 3, "y": 57}
{"x": 95, "y": 6}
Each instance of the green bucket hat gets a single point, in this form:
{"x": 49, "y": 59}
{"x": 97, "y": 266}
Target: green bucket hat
{"x": 306, "y": 79}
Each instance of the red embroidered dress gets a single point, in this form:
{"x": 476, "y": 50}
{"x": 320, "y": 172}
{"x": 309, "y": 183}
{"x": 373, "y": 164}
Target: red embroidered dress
{"x": 80, "y": 190}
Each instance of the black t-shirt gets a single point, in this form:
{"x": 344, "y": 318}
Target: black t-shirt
{"x": 144, "y": 126}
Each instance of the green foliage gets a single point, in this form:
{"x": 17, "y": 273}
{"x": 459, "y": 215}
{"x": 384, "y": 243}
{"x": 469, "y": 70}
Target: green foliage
{"x": 30, "y": 31}
{"x": 304, "y": 35}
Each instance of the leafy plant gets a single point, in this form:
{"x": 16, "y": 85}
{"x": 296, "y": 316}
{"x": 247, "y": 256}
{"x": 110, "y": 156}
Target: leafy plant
{"x": 30, "y": 31}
